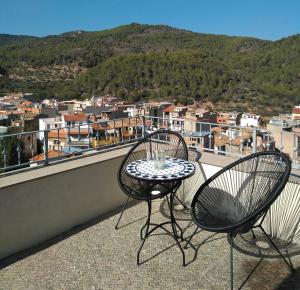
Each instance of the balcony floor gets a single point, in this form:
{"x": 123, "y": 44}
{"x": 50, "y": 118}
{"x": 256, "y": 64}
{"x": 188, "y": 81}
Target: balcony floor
{"x": 96, "y": 256}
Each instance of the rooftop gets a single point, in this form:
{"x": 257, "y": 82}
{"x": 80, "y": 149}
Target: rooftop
{"x": 75, "y": 205}
{"x": 96, "y": 256}
{"x": 76, "y": 117}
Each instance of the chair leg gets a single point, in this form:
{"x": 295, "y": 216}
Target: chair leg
{"x": 276, "y": 248}
{"x": 141, "y": 231}
{"x": 253, "y": 234}
{"x": 191, "y": 236}
{"x": 231, "y": 261}
{"x": 123, "y": 209}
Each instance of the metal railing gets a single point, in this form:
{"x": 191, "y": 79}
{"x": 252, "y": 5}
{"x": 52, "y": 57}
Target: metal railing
{"x": 213, "y": 137}
{"x": 25, "y": 149}
{"x": 43, "y": 147}
{"x": 226, "y": 139}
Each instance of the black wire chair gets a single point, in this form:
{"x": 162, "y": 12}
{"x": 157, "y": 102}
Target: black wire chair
{"x": 167, "y": 140}
{"x": 174, "y": 146}
{"x": 236, "y": 199}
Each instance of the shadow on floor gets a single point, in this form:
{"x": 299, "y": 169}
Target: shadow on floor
{"x": 260, "y": 247}
{"x": 292, "y": 282}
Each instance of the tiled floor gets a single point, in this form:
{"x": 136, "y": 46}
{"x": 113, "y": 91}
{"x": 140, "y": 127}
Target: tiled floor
{"x": 96, "y": 256}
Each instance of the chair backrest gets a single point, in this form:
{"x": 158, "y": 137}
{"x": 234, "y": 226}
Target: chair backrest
{"x": 241, "y": 192}
{"x": 190, "y": 186}
{"x": 171, "y": 142}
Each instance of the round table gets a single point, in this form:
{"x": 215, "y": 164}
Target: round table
{"x": 173, "y": 172}
{"x": 174, "y": 169}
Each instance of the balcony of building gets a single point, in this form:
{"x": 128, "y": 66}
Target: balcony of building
{"x": 57, "y": 232}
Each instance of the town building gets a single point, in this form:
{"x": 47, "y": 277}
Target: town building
{"x": 249, "y": 120}
{"x": 193, "y": 118}
{"x": 296, "y": 113}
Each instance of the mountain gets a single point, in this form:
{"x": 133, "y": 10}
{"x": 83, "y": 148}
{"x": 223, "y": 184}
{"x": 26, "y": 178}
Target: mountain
{"x": 8, "y": 40}
{"x": 155, "y": 61}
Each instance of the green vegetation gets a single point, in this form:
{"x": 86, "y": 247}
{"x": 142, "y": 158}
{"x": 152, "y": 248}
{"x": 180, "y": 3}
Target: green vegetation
{"x": 156, "y": 62}
{"x": 10, "y": 146}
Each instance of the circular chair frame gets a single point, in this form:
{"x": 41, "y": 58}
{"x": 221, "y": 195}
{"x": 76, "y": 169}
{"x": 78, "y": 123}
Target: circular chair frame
{"x": 253, "y": 217}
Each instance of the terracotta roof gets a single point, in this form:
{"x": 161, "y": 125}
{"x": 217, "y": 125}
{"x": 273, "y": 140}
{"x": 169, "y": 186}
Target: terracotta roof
{"x": 51, "y": 154}
{"x": 125, "y": 123}
{"x": 169, "y": 109}
{"x": 296, "y": 111}
{"x": 54, "y": 134}
{"x": 26, "y": 103}
{"x": 64, "y": 134}
{"x": 101, "y": 127}
{"x": 76, "y": 131}
{"x": 75, "y": 117}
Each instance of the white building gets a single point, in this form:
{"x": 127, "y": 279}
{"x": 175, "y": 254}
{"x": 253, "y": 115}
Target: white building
{"x": 250, "y": 120}
{"x": 80, "y": 105}
{"x": 296, "y": 113}
{"x": 48, "y": 124}
{"x": 50, "y": 103}
{"x": 78, "y": 130}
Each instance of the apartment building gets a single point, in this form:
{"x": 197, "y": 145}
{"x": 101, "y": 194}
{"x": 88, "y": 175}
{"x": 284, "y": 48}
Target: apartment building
{"x": 193, "y": 117}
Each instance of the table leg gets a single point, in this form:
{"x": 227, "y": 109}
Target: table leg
{"x": 149, "y": 201}
{"x": 174, "y": 224}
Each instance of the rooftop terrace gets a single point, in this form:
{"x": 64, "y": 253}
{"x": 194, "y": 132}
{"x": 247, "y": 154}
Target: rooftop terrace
{"x": 57, "y": 228}
{"x": 96, "y": 256}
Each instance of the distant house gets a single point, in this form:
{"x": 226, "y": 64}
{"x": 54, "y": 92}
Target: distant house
{"x": 193, "y": 118}
{"x": 134, "y": 110}
{"x": 250, "y": 120}
{"x": 296, "y": 113}
{"x": 240, "y": 141}
{"x": 173, "y": 117}
{"x": 57, "y": 140}
{"x": 96, "y": 110}
{"x": 229, "y": 118}
{"x": 79, "y": 130}
{"x": 49, "y": 112}
{"x": 52, "y": 103}
{"x": 113, "y": 114}
{"x": 49, "y": 124}
{"x": 29, "y": 97}
{"x": 287, "y": 138}
{"x": 75, "y": 119}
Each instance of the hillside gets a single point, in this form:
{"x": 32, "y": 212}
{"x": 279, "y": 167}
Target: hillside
{"x": 145, "y": 61}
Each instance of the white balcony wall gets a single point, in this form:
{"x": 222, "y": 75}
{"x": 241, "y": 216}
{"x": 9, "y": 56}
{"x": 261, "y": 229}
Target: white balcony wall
{"x": 39, "y": 204}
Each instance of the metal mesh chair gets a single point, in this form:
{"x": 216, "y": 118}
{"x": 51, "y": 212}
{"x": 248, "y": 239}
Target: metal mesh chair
{"x": 237, "y": 198}
{"x": 174, "y": 146}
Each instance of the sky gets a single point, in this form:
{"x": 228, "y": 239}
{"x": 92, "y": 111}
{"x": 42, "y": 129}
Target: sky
{"x": 266, "y": 19}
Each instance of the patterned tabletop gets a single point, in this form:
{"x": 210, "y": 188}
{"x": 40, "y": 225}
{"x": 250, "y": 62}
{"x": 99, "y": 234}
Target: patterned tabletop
{"x": 174, "y": 169}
